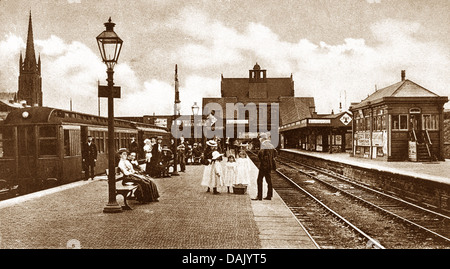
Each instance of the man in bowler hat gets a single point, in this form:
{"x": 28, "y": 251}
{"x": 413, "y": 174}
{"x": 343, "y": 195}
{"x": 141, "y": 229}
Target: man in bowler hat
{"x": 89, "y": 155}
{"x": 266, "y": 156}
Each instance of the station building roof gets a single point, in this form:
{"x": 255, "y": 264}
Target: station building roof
{"x": 400, "y": 90}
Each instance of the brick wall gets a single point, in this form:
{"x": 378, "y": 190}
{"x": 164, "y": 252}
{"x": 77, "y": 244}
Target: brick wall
{"x": 417, "y": 190}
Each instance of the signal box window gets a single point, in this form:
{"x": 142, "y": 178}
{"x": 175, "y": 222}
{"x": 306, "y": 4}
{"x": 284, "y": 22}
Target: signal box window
{"x": 400, "y": 122}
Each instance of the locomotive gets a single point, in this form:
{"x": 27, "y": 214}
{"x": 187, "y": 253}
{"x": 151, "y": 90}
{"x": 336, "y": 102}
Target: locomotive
{"x": 41, "y": 146}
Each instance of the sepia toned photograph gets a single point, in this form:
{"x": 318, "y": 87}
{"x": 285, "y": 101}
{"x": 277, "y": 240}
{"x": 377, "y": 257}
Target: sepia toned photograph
{"x": 224, "y": 130}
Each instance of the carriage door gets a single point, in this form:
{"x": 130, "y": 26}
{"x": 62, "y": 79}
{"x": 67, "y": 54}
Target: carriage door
{"x": 27, "y": 158}
{"x": 83, "y": 139}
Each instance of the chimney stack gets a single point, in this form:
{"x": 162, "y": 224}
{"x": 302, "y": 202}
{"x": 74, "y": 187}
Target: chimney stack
{"x": 403, "y": 75}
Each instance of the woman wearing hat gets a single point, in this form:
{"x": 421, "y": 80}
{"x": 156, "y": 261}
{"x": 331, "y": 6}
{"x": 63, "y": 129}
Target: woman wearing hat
{"x": 211, "y": 147}
{"x": 156, "y": 162}
{"x": 147, "y": 190}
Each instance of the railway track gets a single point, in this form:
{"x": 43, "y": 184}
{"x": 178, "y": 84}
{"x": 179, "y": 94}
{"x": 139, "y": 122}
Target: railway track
{"x": 327, "y": 228}
{"x": 431, "y": 223}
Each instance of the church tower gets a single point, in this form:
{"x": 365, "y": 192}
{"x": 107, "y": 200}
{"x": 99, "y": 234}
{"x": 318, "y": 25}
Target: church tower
{"x": 30, "y": 80}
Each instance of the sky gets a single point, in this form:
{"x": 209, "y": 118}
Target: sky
{"x": 336, "y": 51}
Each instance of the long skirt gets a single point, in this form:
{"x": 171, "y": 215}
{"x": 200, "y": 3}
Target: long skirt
{"x": 147, "y": 190}
{"x": 206, "y": 180}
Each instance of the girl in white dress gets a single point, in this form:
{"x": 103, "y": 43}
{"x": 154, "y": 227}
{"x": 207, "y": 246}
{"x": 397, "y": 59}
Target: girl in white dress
{"x": 216, "y": 172}
{"x": 230, "y": 172}
{"x": 243, "y": 168}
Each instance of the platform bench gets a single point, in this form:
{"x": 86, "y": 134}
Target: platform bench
{"x": 125, "y": 191}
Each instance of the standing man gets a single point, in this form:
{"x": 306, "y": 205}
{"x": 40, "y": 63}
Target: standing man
{"x": 134, "y": 146}
{"x": 156, "y": 161}
{"x": 89, "y": 156}
{"x": 181, "y": 154}
{"x": 266, "y": 156}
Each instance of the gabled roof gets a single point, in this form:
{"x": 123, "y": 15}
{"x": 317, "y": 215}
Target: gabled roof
{"x": 405, "y": 88}
{"x": 293, "y": 109}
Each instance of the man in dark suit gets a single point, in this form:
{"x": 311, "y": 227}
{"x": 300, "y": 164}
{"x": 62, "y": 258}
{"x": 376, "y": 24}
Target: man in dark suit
{"x": 89, "y": 155}
{"x": 134, "y": 147}
{"x": 156, "y": 161}
{"x": 266, "y": 156}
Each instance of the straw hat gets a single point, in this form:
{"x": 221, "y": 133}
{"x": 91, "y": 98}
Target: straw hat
{"x": 211, "y": 143}
{"x": 122, "y": 150}
{"x": 216, "y": 155}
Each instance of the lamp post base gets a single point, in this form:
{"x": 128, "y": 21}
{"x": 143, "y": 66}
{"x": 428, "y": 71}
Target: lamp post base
{"x": 112, "y": 208}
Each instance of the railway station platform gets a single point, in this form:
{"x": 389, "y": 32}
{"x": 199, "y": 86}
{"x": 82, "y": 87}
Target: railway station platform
{"x": 186, "y": 217}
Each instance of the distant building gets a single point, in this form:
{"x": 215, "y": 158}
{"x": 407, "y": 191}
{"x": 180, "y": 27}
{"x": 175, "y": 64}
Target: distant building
{"x": 268, "y": 95}
{"x": 403, "y": 121}
{"x": 319, "y": 132}
{"x": 30, "y": 80}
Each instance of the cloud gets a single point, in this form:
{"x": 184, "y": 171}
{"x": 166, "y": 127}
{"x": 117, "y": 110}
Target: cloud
{"x": 9, "y": 64}
{"x": 345, "y": 72}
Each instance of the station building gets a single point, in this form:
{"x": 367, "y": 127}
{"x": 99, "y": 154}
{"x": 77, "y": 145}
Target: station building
{"x": 258, "y": 103}
{"x": 403, "y": 121}
{"x": 319, "y": 132}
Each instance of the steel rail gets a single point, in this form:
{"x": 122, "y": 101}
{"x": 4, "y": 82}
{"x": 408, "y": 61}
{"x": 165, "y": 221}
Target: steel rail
{"x": 373, "y": 242}
{"x": 369, "y": 203}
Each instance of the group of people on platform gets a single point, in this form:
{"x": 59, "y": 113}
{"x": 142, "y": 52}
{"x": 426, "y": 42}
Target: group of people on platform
{"x": 236, "y": 170}
{"x": 158, "y": 159}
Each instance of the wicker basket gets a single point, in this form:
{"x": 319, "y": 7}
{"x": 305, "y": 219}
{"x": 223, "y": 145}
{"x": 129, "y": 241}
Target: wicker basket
{"x": 239, "y": 189}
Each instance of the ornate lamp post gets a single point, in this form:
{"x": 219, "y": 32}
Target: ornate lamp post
{"x": 195, "y": 110}
{"x": 110, "y": 44}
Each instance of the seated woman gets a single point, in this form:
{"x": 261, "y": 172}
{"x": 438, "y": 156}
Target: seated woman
{"x": 147, "y": 190}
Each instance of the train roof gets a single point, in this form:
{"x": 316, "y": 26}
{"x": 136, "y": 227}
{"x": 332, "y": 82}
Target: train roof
{"x": 49, "y": 115}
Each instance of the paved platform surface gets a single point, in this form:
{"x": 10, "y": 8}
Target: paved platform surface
{"x": 186, "y": 217}
{"x": 435, "y": 171}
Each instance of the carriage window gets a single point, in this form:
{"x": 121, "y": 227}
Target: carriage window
{"x": 47, "y": 140}
{"x": 6, "y": 142}
{"x": 66, "y": 143}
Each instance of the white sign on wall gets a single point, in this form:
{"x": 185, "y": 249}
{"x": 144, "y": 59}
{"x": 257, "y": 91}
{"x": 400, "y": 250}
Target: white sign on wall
{"x": 346, "y": 119}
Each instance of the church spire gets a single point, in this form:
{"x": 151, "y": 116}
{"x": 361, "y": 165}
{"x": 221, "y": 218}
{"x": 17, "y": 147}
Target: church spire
{"x": 30, "y": 57}
{"x": 30, "y": 80}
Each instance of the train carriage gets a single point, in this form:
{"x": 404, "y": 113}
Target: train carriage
{"x": 41, "y": 146}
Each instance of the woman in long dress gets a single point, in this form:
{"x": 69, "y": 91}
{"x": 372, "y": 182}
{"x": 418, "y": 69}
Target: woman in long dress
{"x": 147, "y": 190}
{"x": 207, "y": 158}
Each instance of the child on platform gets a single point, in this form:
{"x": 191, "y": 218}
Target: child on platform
{"x": 243, "y": 168}
{"x": 216, "y": 172}
{"x": 230, "y": 172}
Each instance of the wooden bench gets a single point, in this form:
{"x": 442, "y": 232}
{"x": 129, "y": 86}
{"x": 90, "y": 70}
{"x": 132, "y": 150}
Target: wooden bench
{"x": 124, "y": 190}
